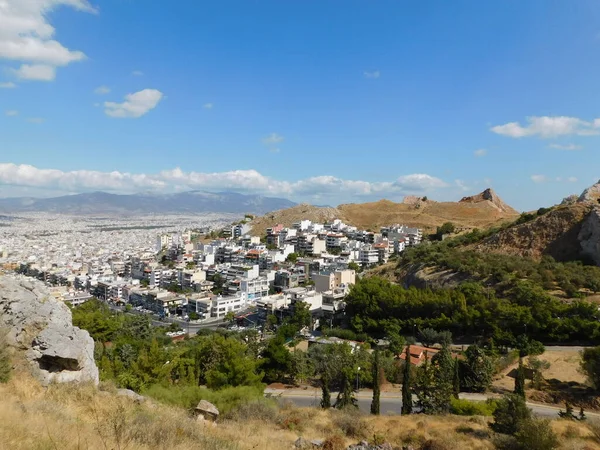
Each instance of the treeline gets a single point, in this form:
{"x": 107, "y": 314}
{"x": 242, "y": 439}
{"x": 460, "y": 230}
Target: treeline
{"x": 378, "y": 307}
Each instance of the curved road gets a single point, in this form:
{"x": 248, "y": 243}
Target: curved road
{"x": 391, "y": 402}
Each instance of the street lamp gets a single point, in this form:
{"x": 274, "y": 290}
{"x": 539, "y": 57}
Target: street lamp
{"x": 357, "y": 373}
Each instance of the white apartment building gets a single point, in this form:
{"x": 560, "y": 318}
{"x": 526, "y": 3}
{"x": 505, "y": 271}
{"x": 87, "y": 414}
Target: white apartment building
{"x": 368, "y": 255}
{"x": 332, "y": 280}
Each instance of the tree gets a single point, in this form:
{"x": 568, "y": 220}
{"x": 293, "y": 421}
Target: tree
{"x": 590, "y": 365}
{"x": 537, "y": 366}
{"x": 354, "y": 266}
{"x": 477, "y": 370}
{"x": 536, "y": 434}
{"x": 276, "y": 359}
{"x": 375, "y": 404}
{"x": 345, "y": 398}
{"x": 424, "y": 387}
{"x": 292, "y": 258}
{"x": 194, "y": 315}
{"x": 567, "y": 413}
{"x": 229, "y": 317}
{"x": 429, "y": 337}
{"x": 443, "y": 388}
{"x": 271, "y": 321}
{"x": 302, "y": 316}
{"x": 446, "y": 228}
{"x": 406, "y": 384}
{"x": 520, "y": 380}
{"x": 301, "y": 367}
{"x": 511, "y": 411}
{"x": 456, "y": 379}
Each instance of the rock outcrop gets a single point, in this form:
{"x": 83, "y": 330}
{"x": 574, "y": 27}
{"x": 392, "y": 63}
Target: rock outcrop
{"x": 489, "y": 196}
{"x": 589, "y": 235}
{"x": 591, "y": 194}
{"x": 42, "y": 328}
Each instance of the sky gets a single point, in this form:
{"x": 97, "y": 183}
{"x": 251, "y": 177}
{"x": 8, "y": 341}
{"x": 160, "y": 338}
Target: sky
{"x": 322, "y": 101}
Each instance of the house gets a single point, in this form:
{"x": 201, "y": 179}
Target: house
{"x": 417, "y": 354}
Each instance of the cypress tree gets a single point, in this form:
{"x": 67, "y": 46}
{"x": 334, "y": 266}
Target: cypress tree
{"x": 375, "y": 404}
{"x": 325, "y": 392}
{"x": 406, "y": 385}
{"x": 456, "y": 379}
{"x": 520, "y": 379}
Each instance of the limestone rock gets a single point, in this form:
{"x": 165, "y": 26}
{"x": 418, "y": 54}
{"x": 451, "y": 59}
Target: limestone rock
{"x": 42, "y": 327}
{"x": 137, "y": 398}
{"x": 207, "y": 410}
{"x": 591, "y": 194}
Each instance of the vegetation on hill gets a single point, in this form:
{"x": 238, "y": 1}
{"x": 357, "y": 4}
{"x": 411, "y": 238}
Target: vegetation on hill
{"x": 377, "y": 306}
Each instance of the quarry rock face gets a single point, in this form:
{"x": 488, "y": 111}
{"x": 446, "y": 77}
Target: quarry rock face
{"x": 589, "y": 235}
{"x": 42, "y": 327}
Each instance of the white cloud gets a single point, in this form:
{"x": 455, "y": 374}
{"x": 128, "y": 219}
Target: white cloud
{"x": 8, "y": 85}
{"x": 572, "y": 179}
{"x": 375, "y": 74}
{"x": 236, "y": 180}
{"x": 135, "y": 105}
{"x": 208, "y": 106}
{"x": 36, "y": 72}
{"x": 12, "y": 113}
{"x": 273, "y": 139}
{"x": 274, "y": 150}
{"x": 549, "y": 127}
{"x": 27, "y": 36}
{"x": 480, "y": 152}
{"x": 539, "y": 178}
{"x": 569, "y": 147}
{"x": 137, "y": 73}
{"x": 36, "y": 120}
{"x": 102, "y": 90}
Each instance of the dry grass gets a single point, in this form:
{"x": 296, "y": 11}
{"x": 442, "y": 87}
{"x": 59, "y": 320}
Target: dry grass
{"x": 428, "y": 216}
{"x": 564, "y": 366}
{"x": 82, "y": 417}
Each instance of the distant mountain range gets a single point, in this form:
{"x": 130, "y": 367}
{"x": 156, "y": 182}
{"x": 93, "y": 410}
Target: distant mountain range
{"x": 191, "y": 202}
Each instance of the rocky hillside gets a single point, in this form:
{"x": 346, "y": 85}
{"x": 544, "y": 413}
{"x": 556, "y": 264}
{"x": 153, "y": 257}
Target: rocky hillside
{"x": 40, "y": 328}
{"x": 478, "y": 211}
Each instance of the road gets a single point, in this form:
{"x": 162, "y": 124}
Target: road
{"x": 391, "y": 402}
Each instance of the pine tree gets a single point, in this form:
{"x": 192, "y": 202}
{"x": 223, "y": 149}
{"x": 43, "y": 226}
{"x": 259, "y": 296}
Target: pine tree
{"x": 375, "y": 404}
{"x": 346, "y": 397}
{"x": 424, "y": 387}
{"x": 456, "y": 379}
{"x": 568, "y": 413}
{"x": 520, "y": 379}
{"x": 406, "y": 384}
{"x": 582, "y": 415}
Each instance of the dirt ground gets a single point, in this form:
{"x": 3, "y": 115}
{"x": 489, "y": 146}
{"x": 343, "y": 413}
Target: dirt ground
{"x": 564, "y": 366}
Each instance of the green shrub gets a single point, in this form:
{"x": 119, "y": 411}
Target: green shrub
{"x": 462, "y": 407}
{"x": 265, "y": 410}
{"x": 188, "y": 397}
{"x": 536, "y": 434}
{"x": 511, "y": 411}
{"x": 5, "y": 360}
{"x": 351, "y": 423}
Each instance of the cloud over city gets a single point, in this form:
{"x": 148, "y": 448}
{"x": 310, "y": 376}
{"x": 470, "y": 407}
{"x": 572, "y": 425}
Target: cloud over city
{"x": 247, "y": 181}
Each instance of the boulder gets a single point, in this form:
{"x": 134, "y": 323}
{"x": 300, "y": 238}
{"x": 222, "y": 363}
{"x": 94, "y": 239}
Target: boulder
{"x": 42, "y": 327}
{"x": 207, "y": 410}
{"x": 137, "y": 398}
{"x": 591, "y": 194}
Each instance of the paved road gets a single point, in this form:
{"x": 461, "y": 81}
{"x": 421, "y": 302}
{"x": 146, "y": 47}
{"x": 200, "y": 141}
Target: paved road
{"x": 391, "y": 402}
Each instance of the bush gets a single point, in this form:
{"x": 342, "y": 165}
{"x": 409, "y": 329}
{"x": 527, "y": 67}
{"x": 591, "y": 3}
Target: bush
{"x": 511, "y": 411}
{"x": 472, "y": 408}
{"x": 5, "y": 361}
{"x": 264, "y": 410}
{"x": 335, "y": 442}
{"x": 436, "y": 444}
{"x": 590, "y": 365}
{"x": 352, "y": 423}
{"x": 536, "y": 434}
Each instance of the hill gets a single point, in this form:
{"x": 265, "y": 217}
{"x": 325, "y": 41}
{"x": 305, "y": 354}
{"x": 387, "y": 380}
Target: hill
{"x": 191, "y": 202}
{"x": 84, "y": 417}
{"x": 478, "y": 211}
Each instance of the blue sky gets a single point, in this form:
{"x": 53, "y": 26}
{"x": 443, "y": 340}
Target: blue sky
{"x": 320, "y": 101}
